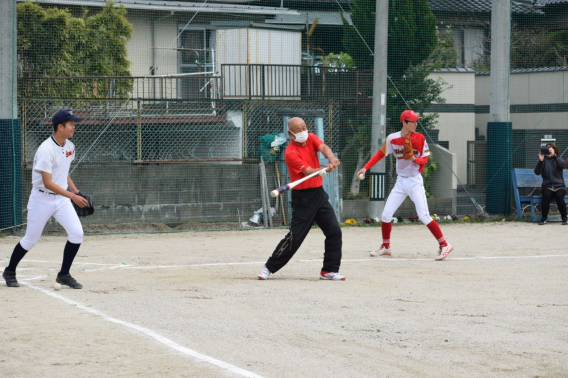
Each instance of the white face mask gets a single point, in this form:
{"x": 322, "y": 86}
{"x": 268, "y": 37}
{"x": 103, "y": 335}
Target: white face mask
{"x": 301, "y": 137}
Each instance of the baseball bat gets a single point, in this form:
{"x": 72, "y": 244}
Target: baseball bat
{"x": 285, "y": 188}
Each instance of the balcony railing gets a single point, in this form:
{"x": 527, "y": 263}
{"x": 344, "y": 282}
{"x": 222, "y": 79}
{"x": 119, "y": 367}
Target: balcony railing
{"x": 235, "y": 81}
{"x": 274, "y": 81}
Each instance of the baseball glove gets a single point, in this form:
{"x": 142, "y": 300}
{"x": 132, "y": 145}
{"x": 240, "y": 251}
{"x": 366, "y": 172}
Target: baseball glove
{"x": 84, "y": 211}
{"x": 407, "y": 148}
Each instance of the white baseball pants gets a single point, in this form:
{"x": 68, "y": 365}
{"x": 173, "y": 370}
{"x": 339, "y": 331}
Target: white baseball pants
{"x": 412, "y": 186}
{"x": 42, "y": 206}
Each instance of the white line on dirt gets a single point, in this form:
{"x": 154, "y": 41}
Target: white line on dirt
{"x": 172, "y": 266}
{"x": 150, "y": 333}
{"x": 126, "y": 266}
{"x": 34, "y": 278}
{"x": 57, "y": 262}
{"x": 449, "y": 259}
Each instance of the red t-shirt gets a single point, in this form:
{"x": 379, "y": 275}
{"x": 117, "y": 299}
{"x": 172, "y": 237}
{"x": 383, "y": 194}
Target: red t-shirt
{"x": 298, "y": 158}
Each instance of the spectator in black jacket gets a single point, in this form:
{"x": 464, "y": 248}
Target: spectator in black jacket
{"x": 551, "y": 168}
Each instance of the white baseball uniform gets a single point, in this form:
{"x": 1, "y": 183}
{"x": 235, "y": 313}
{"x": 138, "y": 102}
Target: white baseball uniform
{"x": 51, "y": 157}
{"x": 409, "y": 181}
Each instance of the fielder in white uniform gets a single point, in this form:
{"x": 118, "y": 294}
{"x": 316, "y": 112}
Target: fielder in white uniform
{"x": 408, "y": 183}
{"x": 49, "y": 197}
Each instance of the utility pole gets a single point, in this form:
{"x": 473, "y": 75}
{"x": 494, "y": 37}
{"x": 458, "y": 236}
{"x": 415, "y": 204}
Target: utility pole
{"x": 499, "y": 127}
{"x": 379, "y": 110}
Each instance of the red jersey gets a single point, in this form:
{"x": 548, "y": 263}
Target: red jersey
{"x": 298, "y": 158}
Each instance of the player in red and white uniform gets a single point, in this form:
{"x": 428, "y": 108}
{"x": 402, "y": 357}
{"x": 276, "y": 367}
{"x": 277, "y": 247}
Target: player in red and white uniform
{"x": 50, "y": 197}
{"x": 409, "y": 182}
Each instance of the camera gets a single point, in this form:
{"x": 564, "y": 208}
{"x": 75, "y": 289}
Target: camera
{"x": 545, "y": 150}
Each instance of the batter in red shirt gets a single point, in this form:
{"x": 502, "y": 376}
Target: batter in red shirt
{"x": 310, "y": 203}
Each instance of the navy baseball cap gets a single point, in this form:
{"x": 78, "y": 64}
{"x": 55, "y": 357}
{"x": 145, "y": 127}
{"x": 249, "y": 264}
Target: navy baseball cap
{"x": 63, "y": 116}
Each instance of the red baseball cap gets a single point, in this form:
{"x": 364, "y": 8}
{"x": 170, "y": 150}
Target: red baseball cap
{"x": 409, "y": 115}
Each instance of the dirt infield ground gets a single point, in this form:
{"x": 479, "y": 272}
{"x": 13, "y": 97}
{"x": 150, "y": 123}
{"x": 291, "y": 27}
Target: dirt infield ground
{"x": 189, "y": 305}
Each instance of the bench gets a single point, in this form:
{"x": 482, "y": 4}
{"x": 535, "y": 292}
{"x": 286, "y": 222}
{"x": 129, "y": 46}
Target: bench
{"x": 525, "y": 178}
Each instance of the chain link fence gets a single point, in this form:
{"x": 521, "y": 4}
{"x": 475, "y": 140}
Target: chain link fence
{"x": 180, "y": 106}
{"x": 170, "y": 161}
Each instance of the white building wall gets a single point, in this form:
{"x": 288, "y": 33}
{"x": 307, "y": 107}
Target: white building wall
{"x": 274, "y": 47}
{"x": 231, "y": 47}
{"x": 457, "y": 128}
{"x": 259, "y": 46}
{"x": 166, "y": 37}
{"x": 138, "y": 47}
{"x": 527, "y": 88}
{"x": 143, "y": 54}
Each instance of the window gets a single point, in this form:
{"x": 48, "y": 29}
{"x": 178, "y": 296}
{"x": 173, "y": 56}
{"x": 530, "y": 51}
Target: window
{"x": 196, "y": 57}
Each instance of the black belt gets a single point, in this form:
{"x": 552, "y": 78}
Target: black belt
{"x": 47, "y": 192}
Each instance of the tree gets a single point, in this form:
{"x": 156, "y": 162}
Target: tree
{"x": 445, "y": 54}
{"x": 53, "y": 43}
{"x": 360, "y": 37}
{"x": 538, "y": 47}
{"x": 341, "y": 60}
{"x": 43, "y": 48}
{"x": 412, "y": 34}
{"x": 108, "y": 31}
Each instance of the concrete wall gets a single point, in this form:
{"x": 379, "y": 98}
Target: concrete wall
{"x": 443, "y": 182}
{"x": 169, "y": 193}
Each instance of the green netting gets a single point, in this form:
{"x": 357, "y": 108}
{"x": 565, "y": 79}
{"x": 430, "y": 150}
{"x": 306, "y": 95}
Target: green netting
{"x": 177, "y": 96}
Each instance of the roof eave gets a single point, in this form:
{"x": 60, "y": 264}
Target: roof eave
{"x": 175, "y": 6}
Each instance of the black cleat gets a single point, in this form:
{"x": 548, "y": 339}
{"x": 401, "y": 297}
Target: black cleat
{"x": 10, "y": 278}
{"x": 69, "y": 281}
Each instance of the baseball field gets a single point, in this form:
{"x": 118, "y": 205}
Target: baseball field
{"x": 188, "y": 304}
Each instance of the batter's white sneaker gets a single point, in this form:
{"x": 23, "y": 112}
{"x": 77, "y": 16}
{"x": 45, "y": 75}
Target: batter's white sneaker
{"x": 443, "y": 252}
{"x": 331, "y": 276}
{"x": 382, "y": 252}
{"x": 264, "y": 273}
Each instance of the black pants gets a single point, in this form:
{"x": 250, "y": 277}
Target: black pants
{"x": 309, "y": 206}
{"x": 558, "y": 195}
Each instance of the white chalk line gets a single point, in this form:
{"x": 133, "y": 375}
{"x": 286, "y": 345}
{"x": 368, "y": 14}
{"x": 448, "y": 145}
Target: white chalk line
{"x": 54, "y": 262}
{"x": 448, "y": 259}
{"x": 126, "y": 266}
{"x": 32, "y": 278}
{"x": 320, "y": 260}
{"x": 148, "y": 332}
{"x": 151, "y": 267}
{"x": 174, "y": 266}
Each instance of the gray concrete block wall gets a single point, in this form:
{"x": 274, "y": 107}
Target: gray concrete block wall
{"x": 186, "y": 193}
{"x": 167, "y": 193}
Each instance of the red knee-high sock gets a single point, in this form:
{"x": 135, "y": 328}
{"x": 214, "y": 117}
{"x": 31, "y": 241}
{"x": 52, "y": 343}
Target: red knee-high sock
{"x": 437, "y": 232}
{"x": 386, "y": 229}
